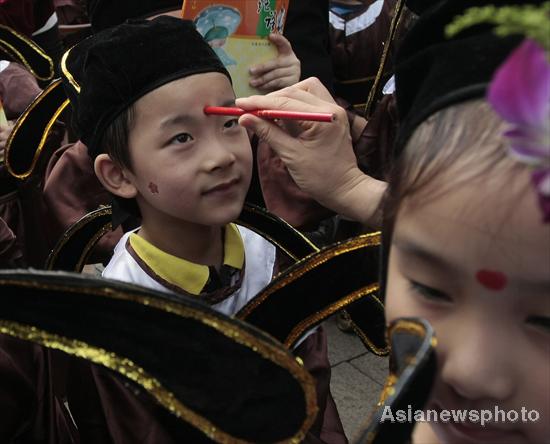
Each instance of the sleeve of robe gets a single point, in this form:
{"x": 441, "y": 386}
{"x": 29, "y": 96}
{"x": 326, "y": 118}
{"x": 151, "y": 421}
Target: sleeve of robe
{"x": 18, "y": 88}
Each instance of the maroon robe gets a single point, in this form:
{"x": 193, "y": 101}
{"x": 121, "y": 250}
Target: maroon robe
{"x": 10, "y": 253}
{"x": 32, "y": 413}
{"x": 108, "y": 411}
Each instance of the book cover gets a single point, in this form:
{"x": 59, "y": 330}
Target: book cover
{"x": 237, "y": 30}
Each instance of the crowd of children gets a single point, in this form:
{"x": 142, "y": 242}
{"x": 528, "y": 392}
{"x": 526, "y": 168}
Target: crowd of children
{"x": 440, "y": 138}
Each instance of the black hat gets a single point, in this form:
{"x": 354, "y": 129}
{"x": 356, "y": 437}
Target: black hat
{"x": 225, "y": 380}
{"x": 150, "y": 53}
{"x": 319, "y": 285}
{"x": 105, "y": 14}
{"x": 23, "y": 50}
{"x": 30, "y": 133}
{"x": 434, "y": 71}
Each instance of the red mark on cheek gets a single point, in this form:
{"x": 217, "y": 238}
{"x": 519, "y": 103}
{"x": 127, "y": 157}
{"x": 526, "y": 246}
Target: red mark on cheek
{"x": 153, "y": 188}
{"x": 493, "y": 280}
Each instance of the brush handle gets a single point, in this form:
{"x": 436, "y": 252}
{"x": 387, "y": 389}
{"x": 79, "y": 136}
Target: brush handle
{"x": 269, "y": 114}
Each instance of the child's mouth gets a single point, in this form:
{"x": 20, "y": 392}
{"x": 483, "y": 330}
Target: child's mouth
{"x": 223, "y": 187}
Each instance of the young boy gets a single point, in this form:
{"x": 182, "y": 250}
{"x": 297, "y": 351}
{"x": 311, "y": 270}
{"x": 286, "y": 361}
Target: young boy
{"x": 188, "y": 172}
{"x": 142, "y": 90}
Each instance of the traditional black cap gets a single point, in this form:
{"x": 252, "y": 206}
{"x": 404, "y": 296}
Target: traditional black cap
{"x": 433, "y": 71}
{"x": 23, "y": 50}
{"x": 316, "y": 287}
{"x": 30, "y": 133}
{"x": 114, "y": 68}
{"x": 105, "y": 14}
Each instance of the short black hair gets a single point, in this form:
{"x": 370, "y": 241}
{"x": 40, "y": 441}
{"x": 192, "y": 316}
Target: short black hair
{"x": 115, "y": 139}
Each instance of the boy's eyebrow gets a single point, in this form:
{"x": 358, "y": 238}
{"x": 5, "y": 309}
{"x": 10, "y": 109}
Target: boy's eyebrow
{"x": 176, "y": 120}
{"x": 187, "y": 118}
{"x": 410, "y": 247}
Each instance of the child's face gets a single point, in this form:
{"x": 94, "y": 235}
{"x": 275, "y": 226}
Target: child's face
{"x": 188, "y": 166}
{"x": 475, "y": 263}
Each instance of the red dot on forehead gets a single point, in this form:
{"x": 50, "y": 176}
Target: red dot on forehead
{"x": 493, "y": 280}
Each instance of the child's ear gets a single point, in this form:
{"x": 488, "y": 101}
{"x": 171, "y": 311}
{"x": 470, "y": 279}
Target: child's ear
{"x": 113, "y": 177}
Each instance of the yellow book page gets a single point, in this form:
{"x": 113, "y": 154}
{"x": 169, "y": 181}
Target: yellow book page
{"x": 251, "y": 51}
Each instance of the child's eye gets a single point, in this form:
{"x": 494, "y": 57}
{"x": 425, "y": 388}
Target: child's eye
{"x": 429, "y": 292}
{"x": 231, "y": 123}
{"x": 182, "y": 138}
{"x": 541, "y": 322}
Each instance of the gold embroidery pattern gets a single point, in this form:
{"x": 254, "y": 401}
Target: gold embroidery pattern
{"x": 268, "y": 349}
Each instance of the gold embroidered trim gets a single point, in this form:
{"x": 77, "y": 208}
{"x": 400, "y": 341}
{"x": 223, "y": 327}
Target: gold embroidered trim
{"x": 391, "y": 35}
{"x": 66, "y": 71}
{"x": 309, "y": 263}
{"x": 270, "y": 238}
{"x": 121, "y": 365}
{"x": 408, "y": 326}
{"x": 388, "y": 389}
{"x": 267, "y": 350}
{"x": 10, "y": 48}
{"x": 315, "y": 318}
{"x": 359, "y": 332}
{"x": 22, "y": 119}
{"x": 69, "y": 233}
{"x": 90, "y": 245}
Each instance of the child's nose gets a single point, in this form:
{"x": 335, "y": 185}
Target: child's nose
{"x": 475, "y": 365}
{"x": 219, "y": 156}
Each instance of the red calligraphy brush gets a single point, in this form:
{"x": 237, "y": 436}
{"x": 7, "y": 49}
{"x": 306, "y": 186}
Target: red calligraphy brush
{"x": 269, "y": 114}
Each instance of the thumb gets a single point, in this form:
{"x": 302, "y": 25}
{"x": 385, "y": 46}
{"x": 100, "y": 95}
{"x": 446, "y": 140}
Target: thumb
{"x": 281, "y": 43}
{"x": 267, "y": 131}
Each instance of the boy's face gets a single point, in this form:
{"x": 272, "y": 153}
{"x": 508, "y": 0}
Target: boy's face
{"x": 187, "y": 166}
{"x": 475, "y": 262}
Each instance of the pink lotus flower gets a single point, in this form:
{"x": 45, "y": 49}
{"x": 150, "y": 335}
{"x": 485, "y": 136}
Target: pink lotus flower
{"x": 520, "y": 94}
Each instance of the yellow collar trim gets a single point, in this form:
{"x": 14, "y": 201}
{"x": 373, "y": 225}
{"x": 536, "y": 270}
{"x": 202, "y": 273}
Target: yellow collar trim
{"x": 187, "y": 275}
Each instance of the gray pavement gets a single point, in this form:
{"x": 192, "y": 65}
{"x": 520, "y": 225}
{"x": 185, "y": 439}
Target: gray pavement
{"x": 357, "y": 377}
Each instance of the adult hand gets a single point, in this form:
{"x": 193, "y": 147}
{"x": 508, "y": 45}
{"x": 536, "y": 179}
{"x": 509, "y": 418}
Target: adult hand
{"x": 280, "y": 72}
{"x": 319, "y": 156}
